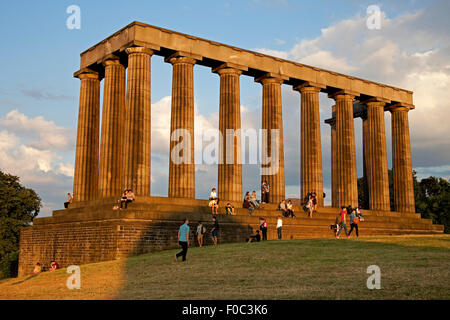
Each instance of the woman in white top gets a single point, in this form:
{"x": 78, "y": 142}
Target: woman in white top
{"x": 279, "y": 227}
{"x": 213, "y": 201}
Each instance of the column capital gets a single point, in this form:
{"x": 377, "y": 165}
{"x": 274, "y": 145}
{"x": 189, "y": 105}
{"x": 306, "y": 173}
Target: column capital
{"x": 229, "y": 68}
{"x": 271, "y": 77}
{"x": 86, "y": 73}
{"x": 110, "y": 59}
{"x": 309, "y": 86}
{"x": 177, "y": 60}
{"x": 133, "y": 50}
{"x": 183, "y": 57}
{"x": 343, "y": 94}
{"x": 375, "y": 101}
{"x": 400, "y": 107}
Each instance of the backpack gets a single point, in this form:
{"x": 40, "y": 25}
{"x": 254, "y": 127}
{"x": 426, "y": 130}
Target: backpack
{"x": 338, "y": 219}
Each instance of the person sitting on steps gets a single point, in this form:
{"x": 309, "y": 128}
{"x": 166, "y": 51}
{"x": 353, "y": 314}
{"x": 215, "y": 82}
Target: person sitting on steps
{"x": 213, "y": 201}
{"x": 69, "y": 200}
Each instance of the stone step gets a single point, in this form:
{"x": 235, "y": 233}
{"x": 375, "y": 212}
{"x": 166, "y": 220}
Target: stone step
{"x": 189, "y": 210}
{"x": 86, "y": 206}
{"x": 239, "y": 219}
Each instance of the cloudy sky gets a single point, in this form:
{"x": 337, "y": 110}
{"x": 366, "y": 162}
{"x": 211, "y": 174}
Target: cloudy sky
{"x": 39, "y": 97}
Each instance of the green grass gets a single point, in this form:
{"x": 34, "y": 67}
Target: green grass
{"x": 415, "y": 267}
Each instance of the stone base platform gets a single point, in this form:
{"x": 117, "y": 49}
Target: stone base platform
{"x": 93, "y": 232}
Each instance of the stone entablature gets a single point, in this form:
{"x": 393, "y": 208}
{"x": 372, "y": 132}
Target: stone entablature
{"x": 165, "y": 42}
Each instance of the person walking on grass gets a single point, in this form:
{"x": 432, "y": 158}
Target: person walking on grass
{"x": 183, "y": 239}
{"x": 279, "y": 227}
{"x": 355, "y": 217}
{"x": 341, "y": 222}
{"x": 200, "y": 232}
{"x": 214, "y": 230}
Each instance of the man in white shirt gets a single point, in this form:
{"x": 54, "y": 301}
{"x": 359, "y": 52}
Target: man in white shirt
{"x": 279, "y": 227}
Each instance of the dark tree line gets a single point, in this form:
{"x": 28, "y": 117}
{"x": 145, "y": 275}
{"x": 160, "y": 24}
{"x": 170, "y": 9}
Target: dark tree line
{"x": 431, "y": 195}
{"x": 18, "y": 207}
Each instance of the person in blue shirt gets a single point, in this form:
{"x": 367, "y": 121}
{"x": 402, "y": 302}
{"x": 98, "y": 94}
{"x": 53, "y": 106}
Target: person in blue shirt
{"x": 183, "y": 239}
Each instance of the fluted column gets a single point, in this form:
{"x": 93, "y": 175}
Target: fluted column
{"x": 346, "y": 179}
{"x": 182, "y": 167}
{"x": 85, "y": 182}
{"x": 366, "y": 156}
{"x": 377, "y": 170}
{"x": 112, "y": 133}
{"x": 272, "y": 119}
{"x": 332, "y": 124}
{"x": 401, "y": 160}
{"x": 229, "y": 184}
{"x": 311, "y": 178}
{"x": 136, "y": 173}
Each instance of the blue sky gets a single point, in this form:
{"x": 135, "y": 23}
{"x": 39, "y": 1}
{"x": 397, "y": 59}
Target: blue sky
{"x": 39, "y": 96}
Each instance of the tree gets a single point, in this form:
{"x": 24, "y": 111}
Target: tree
{"x": 18, "y": 207}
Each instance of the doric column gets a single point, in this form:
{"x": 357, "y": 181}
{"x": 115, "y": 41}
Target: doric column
{"x": 272, "y": 119}
{"x": 181, "y": 159}
{"x": 366, "y": 157}
{"x": 401, "y": 160}
{"x": 85, "y": 181}
{"x": 376, "y": 167}
{"x": 332, "y": 123}
{"x": 112, "y": 133}
{"x": 346, "y": 179}
{"x": 137, "y": 144}
{"x": 311, "y": 178}
{"x": 229, "y": 184}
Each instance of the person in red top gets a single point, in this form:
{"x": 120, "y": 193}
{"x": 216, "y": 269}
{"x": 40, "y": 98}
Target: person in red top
{"x": 342, "y": 222}
{"x": 263, "y": 228}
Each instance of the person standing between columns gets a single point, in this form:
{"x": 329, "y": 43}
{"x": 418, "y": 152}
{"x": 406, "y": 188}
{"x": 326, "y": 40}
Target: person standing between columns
{"x": 230, "y": 162}
{"x": 113, "y": 123}
{"x": 401, "y": 159}
{"x": 272, "y": 172}
{"x": 181, "y": 157}
{"x": 377, "y": 169}
{"x": 137, "y": 144}
{"x": 311, "y": 178}
{"x": 347, "y": 191}
{"x": 85, "y": 181}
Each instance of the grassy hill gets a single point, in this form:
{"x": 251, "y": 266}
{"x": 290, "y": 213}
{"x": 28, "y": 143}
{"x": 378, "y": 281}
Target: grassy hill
{"x": 412, "y": 267}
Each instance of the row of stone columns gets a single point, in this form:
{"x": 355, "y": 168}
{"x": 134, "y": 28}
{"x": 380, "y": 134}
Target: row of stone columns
{"x": 374, "y": 157}
{"x": 125, "y": 145}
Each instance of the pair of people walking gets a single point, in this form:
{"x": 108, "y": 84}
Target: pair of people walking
{"x": 355, "y": 216}
{"x": 183, "y": 236}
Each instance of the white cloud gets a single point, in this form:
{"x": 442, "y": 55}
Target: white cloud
{"x": 50, "y": 135}
{"x": 411, "y": 51}
{"x": 34, "y": 149}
